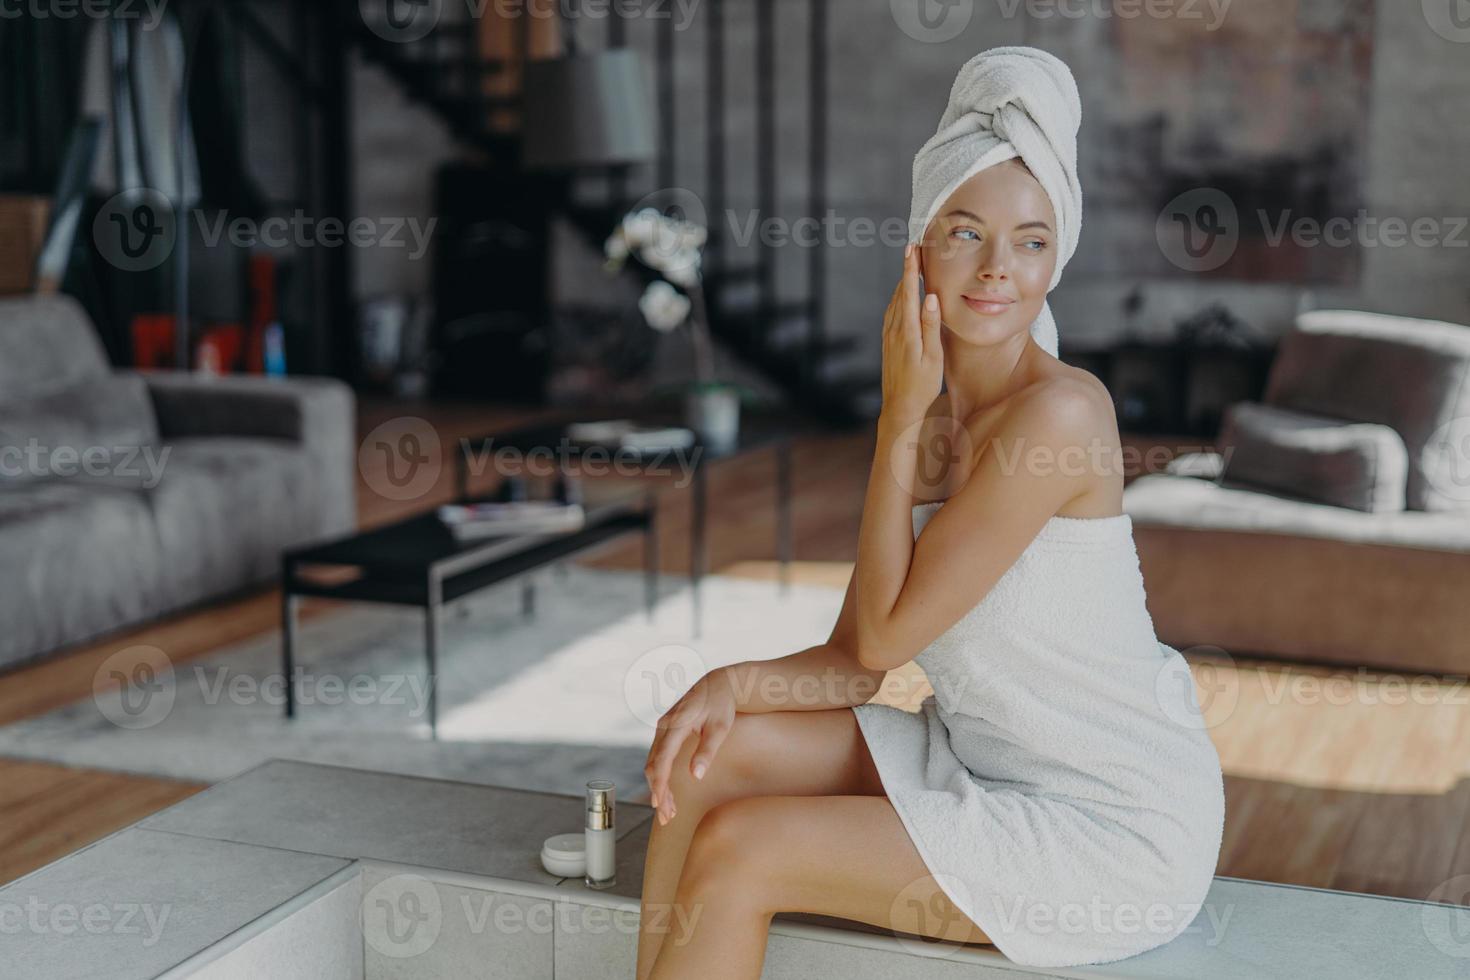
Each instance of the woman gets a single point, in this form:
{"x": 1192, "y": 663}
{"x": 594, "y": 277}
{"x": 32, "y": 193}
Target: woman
{"x": 1057, "y": 795}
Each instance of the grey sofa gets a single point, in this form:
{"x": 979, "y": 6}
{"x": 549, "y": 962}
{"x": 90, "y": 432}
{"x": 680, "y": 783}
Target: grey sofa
{"x": 1228, "y": 562}
{"x": 125, "y": 495}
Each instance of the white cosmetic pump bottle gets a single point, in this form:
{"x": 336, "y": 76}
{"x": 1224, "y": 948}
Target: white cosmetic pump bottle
{"x": 601, "y": 834}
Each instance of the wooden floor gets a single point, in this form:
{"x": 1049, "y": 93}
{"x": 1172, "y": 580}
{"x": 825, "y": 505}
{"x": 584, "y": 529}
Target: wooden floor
{"x": 1335, "y": 787}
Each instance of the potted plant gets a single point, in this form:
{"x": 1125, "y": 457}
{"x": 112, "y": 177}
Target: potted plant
{"x": 674, "y": 248}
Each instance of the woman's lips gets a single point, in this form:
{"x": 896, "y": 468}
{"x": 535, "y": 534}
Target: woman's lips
{"x": 987, "y": 307}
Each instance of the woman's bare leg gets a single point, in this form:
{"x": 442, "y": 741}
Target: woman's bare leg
{"x": 781, "y": 753}
{"x": 844, "y": 856}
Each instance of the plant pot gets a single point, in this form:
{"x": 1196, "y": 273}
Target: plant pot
{"x": 713, "y": 412}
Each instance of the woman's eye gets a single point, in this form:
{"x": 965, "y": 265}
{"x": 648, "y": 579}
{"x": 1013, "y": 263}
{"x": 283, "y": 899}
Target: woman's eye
{"x": 967, "y": 231}
{"x": 1040, "y": 245}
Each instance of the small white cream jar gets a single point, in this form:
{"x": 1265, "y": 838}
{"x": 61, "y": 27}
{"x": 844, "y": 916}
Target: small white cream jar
{"x": 565, "y": 855}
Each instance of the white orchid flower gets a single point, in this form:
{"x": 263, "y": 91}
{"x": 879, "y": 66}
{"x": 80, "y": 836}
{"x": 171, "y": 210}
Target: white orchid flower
{"x": 616, "y": 247}
{"x": 663, "y": 306}
{"x": 683, "y": 269}
{"x": 641, "y": 226}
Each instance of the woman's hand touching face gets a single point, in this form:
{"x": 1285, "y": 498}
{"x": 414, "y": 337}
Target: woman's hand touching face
{"x": 913, "y": 360}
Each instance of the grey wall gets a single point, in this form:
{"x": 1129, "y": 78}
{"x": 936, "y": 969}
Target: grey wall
{"x": 893, "y": 89}
{"x": 888, "y": 90}
{"x": 397, "y": 147}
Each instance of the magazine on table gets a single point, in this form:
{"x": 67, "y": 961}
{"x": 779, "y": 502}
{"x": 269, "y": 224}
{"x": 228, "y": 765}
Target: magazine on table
{"x": 626, "y": 434}
{"x": 491, "y": 519}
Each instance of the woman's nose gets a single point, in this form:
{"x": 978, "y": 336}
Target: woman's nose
{"x": 992, "y": 263}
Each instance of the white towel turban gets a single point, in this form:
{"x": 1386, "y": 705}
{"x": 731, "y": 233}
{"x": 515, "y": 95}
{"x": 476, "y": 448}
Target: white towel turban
{"x": 1008, "y": 102}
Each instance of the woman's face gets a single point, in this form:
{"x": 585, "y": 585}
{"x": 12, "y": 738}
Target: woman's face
{"x": 994, "y": 240}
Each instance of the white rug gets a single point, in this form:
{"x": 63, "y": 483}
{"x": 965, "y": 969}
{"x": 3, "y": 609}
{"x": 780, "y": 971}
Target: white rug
{"x": 544, "y": 703}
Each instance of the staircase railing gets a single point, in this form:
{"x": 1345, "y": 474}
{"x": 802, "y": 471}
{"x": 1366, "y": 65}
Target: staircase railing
{"x": 786, "y": 339}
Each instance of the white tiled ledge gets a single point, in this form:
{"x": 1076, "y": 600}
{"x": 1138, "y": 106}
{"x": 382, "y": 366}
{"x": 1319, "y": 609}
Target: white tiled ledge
{"x": 214, "y": 960}
{"x": 289, "y": 939}
{"x": 572, "y": 891}
{"x": 268, "y": 872}
{"x": 787, "y": 957}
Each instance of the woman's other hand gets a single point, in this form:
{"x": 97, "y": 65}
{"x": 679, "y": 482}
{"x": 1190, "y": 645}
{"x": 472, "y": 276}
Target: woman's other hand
{"x": 913, "y": 360}
{"x": 708, "y": 710}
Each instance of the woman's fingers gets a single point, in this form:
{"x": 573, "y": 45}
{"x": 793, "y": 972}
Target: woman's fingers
{"x": 710, "y": 740}
{"x": 893, "y": 317}
{"x": 658, "y": 770}
{"x": 894, "y": 304}
{"x": 662, "y": 762}
{"x": 912, "y": 296}
{"x": 650, "y": 767}
{"x": 929, "y": 326}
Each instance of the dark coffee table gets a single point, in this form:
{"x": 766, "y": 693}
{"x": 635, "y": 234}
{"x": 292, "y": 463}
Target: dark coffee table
{"x": 418, "y": 562}
{"x": 550, "y": 443}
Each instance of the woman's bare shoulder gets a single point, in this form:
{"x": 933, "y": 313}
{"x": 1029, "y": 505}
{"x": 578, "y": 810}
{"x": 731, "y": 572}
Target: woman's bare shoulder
{"x": 1075, "y": 401}
{"x": 1064, "y": 406}
{"x": 1072, "y": 410}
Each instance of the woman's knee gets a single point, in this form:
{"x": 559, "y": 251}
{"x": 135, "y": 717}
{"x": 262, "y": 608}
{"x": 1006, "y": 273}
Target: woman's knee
{"x": 778, "y": 754}
{"x": 726, "y": 852}
{"x": 753, "y": 744}
{"x": 738, "y": 760}
{"x": 804, "y": 753}
{"x": 722, "y": 781}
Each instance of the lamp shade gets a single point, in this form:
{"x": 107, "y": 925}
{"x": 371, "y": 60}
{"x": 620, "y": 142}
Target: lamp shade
{"x": 587, "y": 110}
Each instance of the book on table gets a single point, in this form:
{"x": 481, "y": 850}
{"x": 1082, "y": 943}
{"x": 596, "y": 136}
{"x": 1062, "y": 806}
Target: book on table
{"x": 627, "y": 434}
{"x": 490, "y": 519}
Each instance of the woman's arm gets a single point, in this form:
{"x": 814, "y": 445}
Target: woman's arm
{"x": 824, "y": 676}
{"x": 909, "y": 592}
{"x": 827, "y": 675}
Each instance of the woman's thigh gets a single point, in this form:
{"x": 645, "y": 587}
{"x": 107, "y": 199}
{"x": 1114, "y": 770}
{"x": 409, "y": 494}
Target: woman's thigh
{"x": 782, "y": 753}
{"x": 846, "y": 856}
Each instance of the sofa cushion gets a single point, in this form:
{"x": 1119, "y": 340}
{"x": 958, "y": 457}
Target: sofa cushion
{"x": 316, "y": 415}
{"x": 1409, "y": 374}
{"x": 47, "y": 344}
{"x": 76, "y": 560}
{"x": 1166, "y": 500}
{"x": 1205, "y": 465}
{"x": 1360, "y": 465}
{"x": 102, "y": 427}
{"x": 225, "y": 509}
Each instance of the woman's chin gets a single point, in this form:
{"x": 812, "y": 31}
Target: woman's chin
{"x": 985, "y": 331}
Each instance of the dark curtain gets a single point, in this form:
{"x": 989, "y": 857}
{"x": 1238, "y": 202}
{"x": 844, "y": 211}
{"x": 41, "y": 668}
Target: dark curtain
{"x": 41, "y": 70}
{"x": 217, "y": 110}
{"x": 40, "y": 77}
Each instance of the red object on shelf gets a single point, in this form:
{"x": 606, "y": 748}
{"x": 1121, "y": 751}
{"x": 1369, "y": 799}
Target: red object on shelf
{"x": 153, "y": 340}
{"x": 219, "y": 348}
{"x": 262, "y": 309}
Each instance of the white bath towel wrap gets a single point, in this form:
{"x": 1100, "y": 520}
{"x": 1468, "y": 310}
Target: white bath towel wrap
{"x": 1008, "y": 102}
{"x": 1060, "y": 784}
